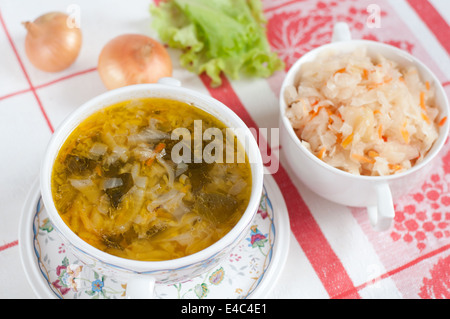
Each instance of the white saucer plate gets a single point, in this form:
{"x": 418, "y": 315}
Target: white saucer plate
{"x": 250, "y": 271}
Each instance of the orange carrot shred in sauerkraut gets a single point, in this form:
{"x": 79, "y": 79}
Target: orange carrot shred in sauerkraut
{"x": 347, "y": 141}
{"x": 381, "y": 120}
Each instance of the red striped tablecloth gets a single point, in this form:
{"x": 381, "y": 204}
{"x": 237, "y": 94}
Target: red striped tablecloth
{"x": 334, "y": 253}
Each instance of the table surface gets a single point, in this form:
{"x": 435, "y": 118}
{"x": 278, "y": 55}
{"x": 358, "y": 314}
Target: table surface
{"x": 333, "y": 251}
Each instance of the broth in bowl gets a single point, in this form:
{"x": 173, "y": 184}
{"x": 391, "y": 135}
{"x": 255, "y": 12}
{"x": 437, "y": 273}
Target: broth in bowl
{"x": 132, "y": 180}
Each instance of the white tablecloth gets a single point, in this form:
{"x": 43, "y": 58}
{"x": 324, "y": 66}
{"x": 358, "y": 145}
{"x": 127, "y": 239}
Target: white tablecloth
{"x": 333, "y": 252}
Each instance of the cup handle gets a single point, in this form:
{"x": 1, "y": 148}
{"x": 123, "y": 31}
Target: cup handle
{"x": 382, "y": 214}
{"x": 341, "y": 32}
{"x": 141, "y": 287}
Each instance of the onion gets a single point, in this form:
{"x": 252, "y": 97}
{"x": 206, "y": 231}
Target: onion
{"x": 181, "y": 168}
{"x": 98, "y": 149}
{"x": 148, "y": 135}
{"x": 143, "y": 153}
{"x": 237, "y": 187}
{"x": 104, "y": 204}
{"x": 133, "y": 59}
{"x": 168, "y": 200}
{"x": 120, "y": 152}
{"x": 141, "y": 181}
{"x": 81, "y": 184}
{"x": 169, "y": 169}
{"x": 51, "y": 44}
{"x": 112, "y": 183}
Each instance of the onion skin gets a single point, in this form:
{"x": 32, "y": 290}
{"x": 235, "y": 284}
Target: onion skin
{"x": 133, "y": 59}
{"x": 51, "y": 45}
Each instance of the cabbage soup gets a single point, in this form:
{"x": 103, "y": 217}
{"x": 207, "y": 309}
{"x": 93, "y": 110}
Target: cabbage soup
{"x": 116, "y": 184}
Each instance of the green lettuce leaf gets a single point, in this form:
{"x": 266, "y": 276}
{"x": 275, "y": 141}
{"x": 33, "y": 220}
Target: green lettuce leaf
{"x": 217, "y": 36}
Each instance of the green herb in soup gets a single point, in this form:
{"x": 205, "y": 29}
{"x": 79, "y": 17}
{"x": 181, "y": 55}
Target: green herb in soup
{"x": 116, "y": 184}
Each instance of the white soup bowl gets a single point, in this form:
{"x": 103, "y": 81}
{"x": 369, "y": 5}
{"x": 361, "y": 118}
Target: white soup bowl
{"x": 142, "y": 275}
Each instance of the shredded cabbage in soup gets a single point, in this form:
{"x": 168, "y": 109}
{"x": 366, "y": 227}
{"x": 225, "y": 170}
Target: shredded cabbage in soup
{"x": 115, "y": 185}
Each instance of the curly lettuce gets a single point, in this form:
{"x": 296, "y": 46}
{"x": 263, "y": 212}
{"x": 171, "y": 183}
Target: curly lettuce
{"x": 217, "y": 36}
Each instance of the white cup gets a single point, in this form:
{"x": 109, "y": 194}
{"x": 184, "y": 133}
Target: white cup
{"x": 374, "y": 192}
{"x": 141, "y": 276}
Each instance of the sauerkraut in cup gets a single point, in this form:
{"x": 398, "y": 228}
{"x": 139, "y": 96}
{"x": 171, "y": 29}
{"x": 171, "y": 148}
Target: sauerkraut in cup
{"x": 363, "y": 115}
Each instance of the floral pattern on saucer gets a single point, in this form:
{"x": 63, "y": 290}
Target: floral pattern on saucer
{"x": 237, "y": 277}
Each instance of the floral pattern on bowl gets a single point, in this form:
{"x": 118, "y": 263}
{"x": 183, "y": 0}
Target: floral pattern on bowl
{"x": 239, "y": 276}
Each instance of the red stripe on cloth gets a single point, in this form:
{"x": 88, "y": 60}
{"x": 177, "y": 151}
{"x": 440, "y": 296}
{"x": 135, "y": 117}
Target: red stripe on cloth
{"x": 325, "y": 262}
{"x": 66, "y": 77}
{"x": 433, "y": 20}
{"x": 41, "y": 107}
{"x": 14, "y": 94}
{"x": 11, "y": 42}
{"x": 280, "y": 5}
{"x": 399, "y": 269}
{"x": 40, "y": 86}
{"x": 9, "y": 245}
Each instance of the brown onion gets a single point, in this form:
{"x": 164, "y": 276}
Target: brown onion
{"x": 133, "y": 59}
{"x": 52, "y": 44}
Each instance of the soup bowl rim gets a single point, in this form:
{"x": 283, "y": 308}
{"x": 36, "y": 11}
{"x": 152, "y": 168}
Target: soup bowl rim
{"x": 138, "y": 266}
